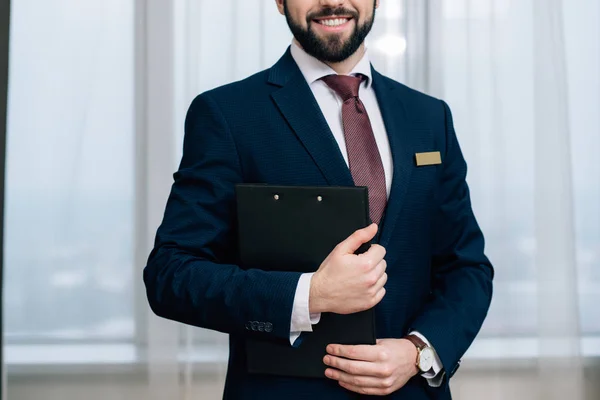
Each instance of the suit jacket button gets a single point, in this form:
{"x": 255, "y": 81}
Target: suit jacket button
{"x": 261, "y": 326}
{"x": 268, "y": 327}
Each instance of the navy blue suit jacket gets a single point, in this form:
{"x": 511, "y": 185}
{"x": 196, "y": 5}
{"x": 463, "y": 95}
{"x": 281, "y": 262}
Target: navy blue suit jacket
{"x": 269, "y": 129}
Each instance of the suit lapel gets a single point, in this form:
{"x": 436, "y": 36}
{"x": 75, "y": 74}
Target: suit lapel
{"x": 298, "y": 106}
{"x": 403, "y": 134}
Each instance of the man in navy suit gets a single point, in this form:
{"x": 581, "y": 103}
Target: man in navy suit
{"x": 323, "y": 116}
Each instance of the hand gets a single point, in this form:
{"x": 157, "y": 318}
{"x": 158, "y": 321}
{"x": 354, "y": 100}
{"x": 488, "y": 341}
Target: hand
{"x": 347, "y": 283}
{"x": 377, "y": 370}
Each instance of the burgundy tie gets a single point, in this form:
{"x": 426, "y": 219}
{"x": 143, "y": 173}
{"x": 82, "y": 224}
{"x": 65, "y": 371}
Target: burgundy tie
{"x": 363, "y": 155}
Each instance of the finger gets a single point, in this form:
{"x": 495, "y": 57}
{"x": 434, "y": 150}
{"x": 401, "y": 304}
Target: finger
{"x": 364, "y": 390}
{"x": 381, "y": 281}
{"x": 379, "y": 296}
{"x": 353, "y": 367}
{"x": 373, "y": 279}
{"x": 376, "y": 253}
{"x": 357, "y": 239}
{"x": 380, "y": 269}
{"x": 355, "y": 352}
{"x": 356, "y": 380}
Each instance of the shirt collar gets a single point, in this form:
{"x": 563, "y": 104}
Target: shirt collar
{"x": 313, "y": 69}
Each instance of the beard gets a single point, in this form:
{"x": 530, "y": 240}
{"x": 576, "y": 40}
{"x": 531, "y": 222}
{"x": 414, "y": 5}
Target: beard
{"x": 331, "y": 49}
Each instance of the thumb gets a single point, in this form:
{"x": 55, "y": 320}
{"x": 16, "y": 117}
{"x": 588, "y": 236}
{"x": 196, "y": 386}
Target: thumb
{"x": 358, "y": 238}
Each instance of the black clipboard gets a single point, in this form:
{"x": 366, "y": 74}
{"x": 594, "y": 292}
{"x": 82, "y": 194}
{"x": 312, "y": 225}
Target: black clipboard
{"x": 294, "y": 228}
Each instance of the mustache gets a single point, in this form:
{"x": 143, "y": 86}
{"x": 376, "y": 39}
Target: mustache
{"x": 332, "y": 12}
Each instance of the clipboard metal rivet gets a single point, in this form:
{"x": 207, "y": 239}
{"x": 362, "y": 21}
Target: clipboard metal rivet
{"x": 319, "y": 198}
{"x": 276, "y": 197}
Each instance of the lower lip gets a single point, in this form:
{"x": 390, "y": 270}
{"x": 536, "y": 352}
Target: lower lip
{"x": 337, "y": 28}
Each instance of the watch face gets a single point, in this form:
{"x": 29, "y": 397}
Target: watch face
{"x": 426, "y": 359}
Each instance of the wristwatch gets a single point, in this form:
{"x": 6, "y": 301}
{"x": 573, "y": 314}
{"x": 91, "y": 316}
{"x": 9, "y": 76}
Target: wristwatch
{"x": 425, "y": 353}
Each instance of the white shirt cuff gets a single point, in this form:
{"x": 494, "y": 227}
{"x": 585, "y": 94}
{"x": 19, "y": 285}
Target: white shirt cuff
{"x": 434, "y": 377}
{"x": 302, "y": 319}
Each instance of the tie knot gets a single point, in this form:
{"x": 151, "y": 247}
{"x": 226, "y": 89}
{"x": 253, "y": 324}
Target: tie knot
{"x": 346, "y": 86}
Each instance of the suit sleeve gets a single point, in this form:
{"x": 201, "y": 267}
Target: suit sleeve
{"x": 191, "y": 275}
{"x": 461, "y": 273}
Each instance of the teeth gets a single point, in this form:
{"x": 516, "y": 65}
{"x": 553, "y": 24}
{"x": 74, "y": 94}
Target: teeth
{"x": 333, "y": 22}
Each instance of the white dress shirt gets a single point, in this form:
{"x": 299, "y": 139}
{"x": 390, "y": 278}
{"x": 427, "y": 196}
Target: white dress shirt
{"x": 331, "y": 106}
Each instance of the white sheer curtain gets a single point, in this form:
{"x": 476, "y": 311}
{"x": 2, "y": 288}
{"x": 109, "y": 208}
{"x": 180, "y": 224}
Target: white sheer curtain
{"x": 69, "y": 260}
{"x": 522, "y": 80}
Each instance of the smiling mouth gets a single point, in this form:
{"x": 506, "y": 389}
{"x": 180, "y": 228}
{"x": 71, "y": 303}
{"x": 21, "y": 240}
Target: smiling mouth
{"x": 333, "y": 22}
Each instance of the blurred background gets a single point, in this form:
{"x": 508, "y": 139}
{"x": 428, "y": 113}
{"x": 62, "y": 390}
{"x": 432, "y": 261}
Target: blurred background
{"x": 97, "y": 97}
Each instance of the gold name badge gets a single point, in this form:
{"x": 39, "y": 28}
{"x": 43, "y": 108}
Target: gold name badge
{"x": 431, "y": 158}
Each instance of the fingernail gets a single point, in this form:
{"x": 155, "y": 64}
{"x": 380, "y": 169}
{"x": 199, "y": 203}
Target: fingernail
{"x": 328, "y": 373}
{"x": 326, "y": 360}
{"x": 330, "y": 349}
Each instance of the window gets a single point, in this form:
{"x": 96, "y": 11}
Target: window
{"x": 70, "y": 176}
